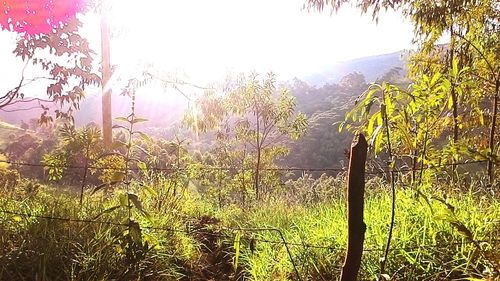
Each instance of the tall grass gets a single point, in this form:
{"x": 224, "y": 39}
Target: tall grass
{"x": 428, "y": 243}
{"x": 34, "y": 248}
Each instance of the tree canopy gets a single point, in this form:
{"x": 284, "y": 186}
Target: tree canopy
{"x": 49, "y": 26}
{"x": 258, "y": 118}
{"x": 456, "y": 86}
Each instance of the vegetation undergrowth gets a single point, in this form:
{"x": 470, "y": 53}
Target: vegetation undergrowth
{"x": 189, "y": 238}
{"x": 222, "y": 197}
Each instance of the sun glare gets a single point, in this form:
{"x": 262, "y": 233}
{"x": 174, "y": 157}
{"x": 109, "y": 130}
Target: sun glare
{"x": 208, "y": 39}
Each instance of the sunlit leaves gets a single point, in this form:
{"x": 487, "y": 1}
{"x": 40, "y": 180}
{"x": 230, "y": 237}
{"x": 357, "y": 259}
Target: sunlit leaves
{"x": 253, "y": 120}
{"x": 51, "y": 32}
{"x": 407, "y": 112}
{"x": 455, "y": 84}
{"x": 236, "y": 246}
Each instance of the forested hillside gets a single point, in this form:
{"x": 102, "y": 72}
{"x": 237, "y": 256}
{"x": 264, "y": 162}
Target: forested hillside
{"x": 370, "y": 67}
{"x": 325, "y": 145}
{"x": 379, "y": 168}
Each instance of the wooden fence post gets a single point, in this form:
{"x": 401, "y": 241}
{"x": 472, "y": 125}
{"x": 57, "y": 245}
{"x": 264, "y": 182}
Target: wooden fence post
{"x": 355, "y": 203}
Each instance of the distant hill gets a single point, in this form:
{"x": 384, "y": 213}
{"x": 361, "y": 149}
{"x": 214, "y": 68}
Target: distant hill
{"x": 6, "y": 130}
{"x": 160, "y": 110}
{"x": 166, "y": 109}
{"x": 320, "y": 97}
{"x": 371, "y": 67}
{"x": 326, "y": 101}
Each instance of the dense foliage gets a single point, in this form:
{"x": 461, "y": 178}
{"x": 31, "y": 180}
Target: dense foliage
{"x": 455, "y": 89}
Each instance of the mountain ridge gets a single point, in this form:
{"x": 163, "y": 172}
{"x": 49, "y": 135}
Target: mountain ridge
{"x": 165, "y": 111}
{"x": 372, "y": 67}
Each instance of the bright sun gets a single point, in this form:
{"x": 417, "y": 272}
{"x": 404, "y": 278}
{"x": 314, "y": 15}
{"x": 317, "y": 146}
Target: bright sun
{"x": 165, "y": 38}
{"x": 206, "y": 39}
{"x": 203, "y": 41}
{"x": 168, "y": 35}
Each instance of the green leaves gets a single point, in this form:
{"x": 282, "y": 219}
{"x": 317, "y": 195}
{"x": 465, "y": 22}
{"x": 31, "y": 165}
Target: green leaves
{"x": 135, "y": 232}
{"x": 123, "y": 198}
{"x": 253, "y": 118}
{"x": 376, "y": 139}
{"x": 104, "y": 185}
{"x": 131, "y": 119}
{"x": 144, "y": 136}
{"x": 136, "y": 120}
{"x": 108, "y": 210}
{"x": 122, "y": 119}
{"x": 135, "y": 200}
{"x": 142, "y": 166}
{"x": 236, "y": 246}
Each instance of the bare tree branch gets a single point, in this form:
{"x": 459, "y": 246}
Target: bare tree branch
{"x": 30, "y": 100}
{"x": 7, "y": 98}
{"x": 178, "y": 82}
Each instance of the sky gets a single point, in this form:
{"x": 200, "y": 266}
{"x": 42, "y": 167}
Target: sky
{"x": 208, "y": 38}
{"x": 204, "y": 40}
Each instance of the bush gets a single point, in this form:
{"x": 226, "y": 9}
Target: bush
{"x": 309, "y": 190}
{"x": 9, "y": 179}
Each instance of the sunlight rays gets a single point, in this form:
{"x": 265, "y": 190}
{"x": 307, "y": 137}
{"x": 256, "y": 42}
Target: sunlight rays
{"x": 209, "y": 39}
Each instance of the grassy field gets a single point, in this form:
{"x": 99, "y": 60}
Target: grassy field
{"x": 185, "y": 238}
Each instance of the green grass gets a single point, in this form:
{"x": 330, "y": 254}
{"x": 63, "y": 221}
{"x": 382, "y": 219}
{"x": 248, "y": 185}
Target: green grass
{"x": 418, "y": 229}
{"x": 425, "y": 246}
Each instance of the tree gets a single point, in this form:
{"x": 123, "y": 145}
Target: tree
{"x": 459, "y": 78}
{"x": 354, "y": 80}
{"x": 18, "y": 146}
{"x": 80, "y": 155}
{"x": 33, "y": 124}
{"x": 25, "y": 126}
{"x": 322, "y": 146}
{"x": 474, "y": 45}
{"x": 256, "y": 116}
{"x": 50, "y": 26}
{"x": 106, "y": 90}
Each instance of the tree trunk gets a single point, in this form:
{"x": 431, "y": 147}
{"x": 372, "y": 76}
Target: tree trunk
{"x": 257, "y": 174}
{"x": 106, "y": 90}
{"x": 243, "y": 187}
{"x": 84, "y": 178}
{"x": 259, "y": 148}
{"x": 453, "y": 97}
{"x": 491, "y": 171}
{"x": 414, "y": 163}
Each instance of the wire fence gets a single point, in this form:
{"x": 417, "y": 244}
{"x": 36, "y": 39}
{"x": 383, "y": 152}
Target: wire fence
{"x": 222, "y": 232}
{"x": 206, "y": 168}
{"x": 218, "y": 232}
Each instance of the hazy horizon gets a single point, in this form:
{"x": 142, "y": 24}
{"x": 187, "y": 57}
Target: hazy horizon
{"x": 205, "y": 43}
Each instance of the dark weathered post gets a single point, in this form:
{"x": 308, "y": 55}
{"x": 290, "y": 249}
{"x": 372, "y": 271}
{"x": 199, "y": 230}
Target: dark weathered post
{"x": 355, "y": 203}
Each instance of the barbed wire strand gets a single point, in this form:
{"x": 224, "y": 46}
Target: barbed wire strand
{"x": 290, "y": 169}
{"x": 205, "y": 231}
{"x": 219, "y": 235}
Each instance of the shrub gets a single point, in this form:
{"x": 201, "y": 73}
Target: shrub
{"x": 8, "y": 179}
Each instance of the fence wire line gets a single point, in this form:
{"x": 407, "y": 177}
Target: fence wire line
{"x": 289, "y": 169}
{"x": 204, "y": 231}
